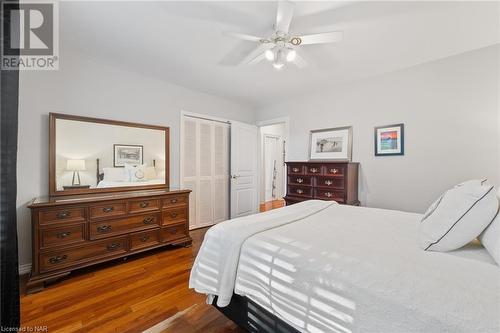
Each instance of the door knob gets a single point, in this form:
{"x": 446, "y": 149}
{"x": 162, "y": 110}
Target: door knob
{"x": 235, "y": 176}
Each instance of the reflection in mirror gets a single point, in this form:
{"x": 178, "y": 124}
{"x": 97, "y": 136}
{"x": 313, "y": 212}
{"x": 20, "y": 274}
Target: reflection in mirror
{"x": 92, "y": 155}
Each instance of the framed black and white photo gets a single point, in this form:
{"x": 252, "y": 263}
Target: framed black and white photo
{"x": 390, "y": 140}
{"x": 334, "y": 144}
{"x": 127, "y": 155}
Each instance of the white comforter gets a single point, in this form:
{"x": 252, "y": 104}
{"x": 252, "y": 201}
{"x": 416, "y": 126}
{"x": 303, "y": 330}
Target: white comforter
{"x": 352, "y": 269}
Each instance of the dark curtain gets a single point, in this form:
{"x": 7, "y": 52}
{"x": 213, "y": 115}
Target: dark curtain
{"x": 9, "y": 274}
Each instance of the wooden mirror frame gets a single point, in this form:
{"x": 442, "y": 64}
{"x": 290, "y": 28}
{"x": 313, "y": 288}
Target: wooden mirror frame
{"x": 52, "y": 156}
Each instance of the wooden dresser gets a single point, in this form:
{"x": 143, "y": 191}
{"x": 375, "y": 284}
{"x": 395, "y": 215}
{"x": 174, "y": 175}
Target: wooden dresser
{"x": 71, "y": 232}
{"x": 322, "y": 180}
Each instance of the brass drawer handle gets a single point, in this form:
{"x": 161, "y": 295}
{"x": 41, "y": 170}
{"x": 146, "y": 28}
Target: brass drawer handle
{"x": 144, "y": 238}
{"x": 173, "y": 201}
{"x": 313, "y": 170}
{"x": 108, "y": 209}
{"x": 328, "y": 194}
{"x": 295, "y": 169}
{"x": 64, "y": 214}
{"x": 173, "y": 215}
{"x": 300, "y": 180}
{"x": 148, "y": 220}
{"x": 299, "y": 191}
{"x": 334, "y": 171}
{"x": 57, "y": 259}
{"x": 328, "y": 182}
{"x": 63, "y": 234}
{"x": 113, "y": 246}
{"x": 144, "y": 204}
{"x": 104, "y": 228}
{"x": 173, "y": 231}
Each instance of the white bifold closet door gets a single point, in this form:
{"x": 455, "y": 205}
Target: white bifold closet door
{"x": 205, "y": 170}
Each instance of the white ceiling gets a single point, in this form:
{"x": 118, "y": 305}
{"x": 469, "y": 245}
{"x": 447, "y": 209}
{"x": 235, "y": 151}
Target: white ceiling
{"x": 182, "y": 42}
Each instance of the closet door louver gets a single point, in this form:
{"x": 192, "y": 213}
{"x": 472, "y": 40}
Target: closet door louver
{"x": 205, "y": 170}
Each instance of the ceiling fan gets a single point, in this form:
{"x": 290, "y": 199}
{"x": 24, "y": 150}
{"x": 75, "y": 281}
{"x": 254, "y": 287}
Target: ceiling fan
{"x": 281, "y": 46}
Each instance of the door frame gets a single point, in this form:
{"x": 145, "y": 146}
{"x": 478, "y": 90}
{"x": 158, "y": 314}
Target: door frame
{"x": 274, "y": 121}
{"x": 274, "y": 136}
{"x": 183, "y": 114}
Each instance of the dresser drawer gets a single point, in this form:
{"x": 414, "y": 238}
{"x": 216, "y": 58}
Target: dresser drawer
{"x": 330, "y": 182}
{"x": 174, "y": 200}
{"x": 302, "y": 191}
{"x": 314, "y": 169}
{"x": 174, "y": 232}
{"x": 175, "y": 215}
{"x": 139, "y": 206}
{"x": 68, "y": 257}
{"x": 63, "y": 235}
{"x": 333, "y": 170}
{"x": 325, "y": 194}
{"x": 104, "y": 229}
{"x": 61, "y": 215}
{"x": 112, "y": 209}
{"x": 300, "y": 180}
{"x": 144, "y": 239}
{"x": 296, "y": 168}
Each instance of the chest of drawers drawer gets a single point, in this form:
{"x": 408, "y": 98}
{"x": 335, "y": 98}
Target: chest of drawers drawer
{"x": 140, "y": 206}
{"x": 302, "y": 191}
{"x": 62, "y": 215}
{"x": 175, "y": 215}
{"x": 325, "y": 194}
{"x": 330, "y": 182}
{"x": 63, "y": 235}
{"x": 300, "y": 180}
{"x": 108, "y": 210}
{"x": 144, "y": 239}
{"x": 175, "y": 200}
{"x": 109, "y": 228}
{"x": 174, "y": 232}
{"x": 54, "y": 260}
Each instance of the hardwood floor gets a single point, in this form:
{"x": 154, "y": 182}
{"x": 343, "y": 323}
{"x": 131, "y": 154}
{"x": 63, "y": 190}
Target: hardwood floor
{"x": 268, "y": 205}
{"x": 129, "y": 296}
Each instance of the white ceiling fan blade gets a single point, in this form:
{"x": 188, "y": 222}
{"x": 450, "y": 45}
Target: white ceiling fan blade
{"x": 254, "y": 56}
{"x": 284, "y": 16}
{"x": 300, "y": 61}
{"x": 326, "y": 37}
{"x": 243, "y": 36}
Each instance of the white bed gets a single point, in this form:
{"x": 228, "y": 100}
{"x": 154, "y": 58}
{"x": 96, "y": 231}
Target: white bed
{"x": 350, "y": 269}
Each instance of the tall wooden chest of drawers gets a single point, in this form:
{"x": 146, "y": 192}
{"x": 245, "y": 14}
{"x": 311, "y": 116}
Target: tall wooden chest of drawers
{"x": 77, "y": 231}
{"x": 322, "y": 180}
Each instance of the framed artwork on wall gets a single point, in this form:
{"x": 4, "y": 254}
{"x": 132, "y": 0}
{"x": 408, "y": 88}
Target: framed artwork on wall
{"x": 331, "y": 144}
{"x": 127, "y": 155}
{"x": 390, "y": 140}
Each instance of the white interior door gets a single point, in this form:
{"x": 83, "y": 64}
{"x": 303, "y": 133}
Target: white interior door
{"x": 205, "y": 170}
{"x": 244, "y": 183}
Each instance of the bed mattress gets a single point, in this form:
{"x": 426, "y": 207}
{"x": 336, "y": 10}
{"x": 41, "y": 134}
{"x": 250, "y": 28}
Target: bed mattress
{"x": 354, "y": 269}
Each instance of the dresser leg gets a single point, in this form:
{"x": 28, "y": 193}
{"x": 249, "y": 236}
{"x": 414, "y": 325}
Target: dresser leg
{"x": 189, "y": 243}
{"x": 34, "y": 286}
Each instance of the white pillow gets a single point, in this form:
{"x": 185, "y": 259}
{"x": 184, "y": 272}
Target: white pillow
{"x": 136, "y": 173}
{"x": 115, "y": 175}
{"x": 490, "y": 238}
{"x": 457, "y": 217}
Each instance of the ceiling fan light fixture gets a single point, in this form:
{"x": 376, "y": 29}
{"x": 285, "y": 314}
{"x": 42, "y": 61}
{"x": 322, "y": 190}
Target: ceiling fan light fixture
{"x": 291, "y": 54}
{"x": 269, "y": 55}
{"x": 278, "y": 65}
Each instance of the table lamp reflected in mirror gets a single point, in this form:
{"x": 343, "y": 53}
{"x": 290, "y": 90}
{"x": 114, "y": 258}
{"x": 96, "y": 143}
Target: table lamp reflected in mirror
{"x": 76, "y": 166}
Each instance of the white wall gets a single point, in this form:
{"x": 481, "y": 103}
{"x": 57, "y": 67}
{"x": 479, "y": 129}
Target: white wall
{"x": 83, "y": 86}
{"x": 450, "y": 110}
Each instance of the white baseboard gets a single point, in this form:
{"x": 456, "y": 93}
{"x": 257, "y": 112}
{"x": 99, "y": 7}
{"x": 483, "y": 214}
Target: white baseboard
{"x": 24, "y": 269}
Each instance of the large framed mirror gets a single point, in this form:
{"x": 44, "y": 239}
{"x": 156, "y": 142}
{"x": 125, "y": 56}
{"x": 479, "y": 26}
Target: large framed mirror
{"x": 89, "y": 155}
